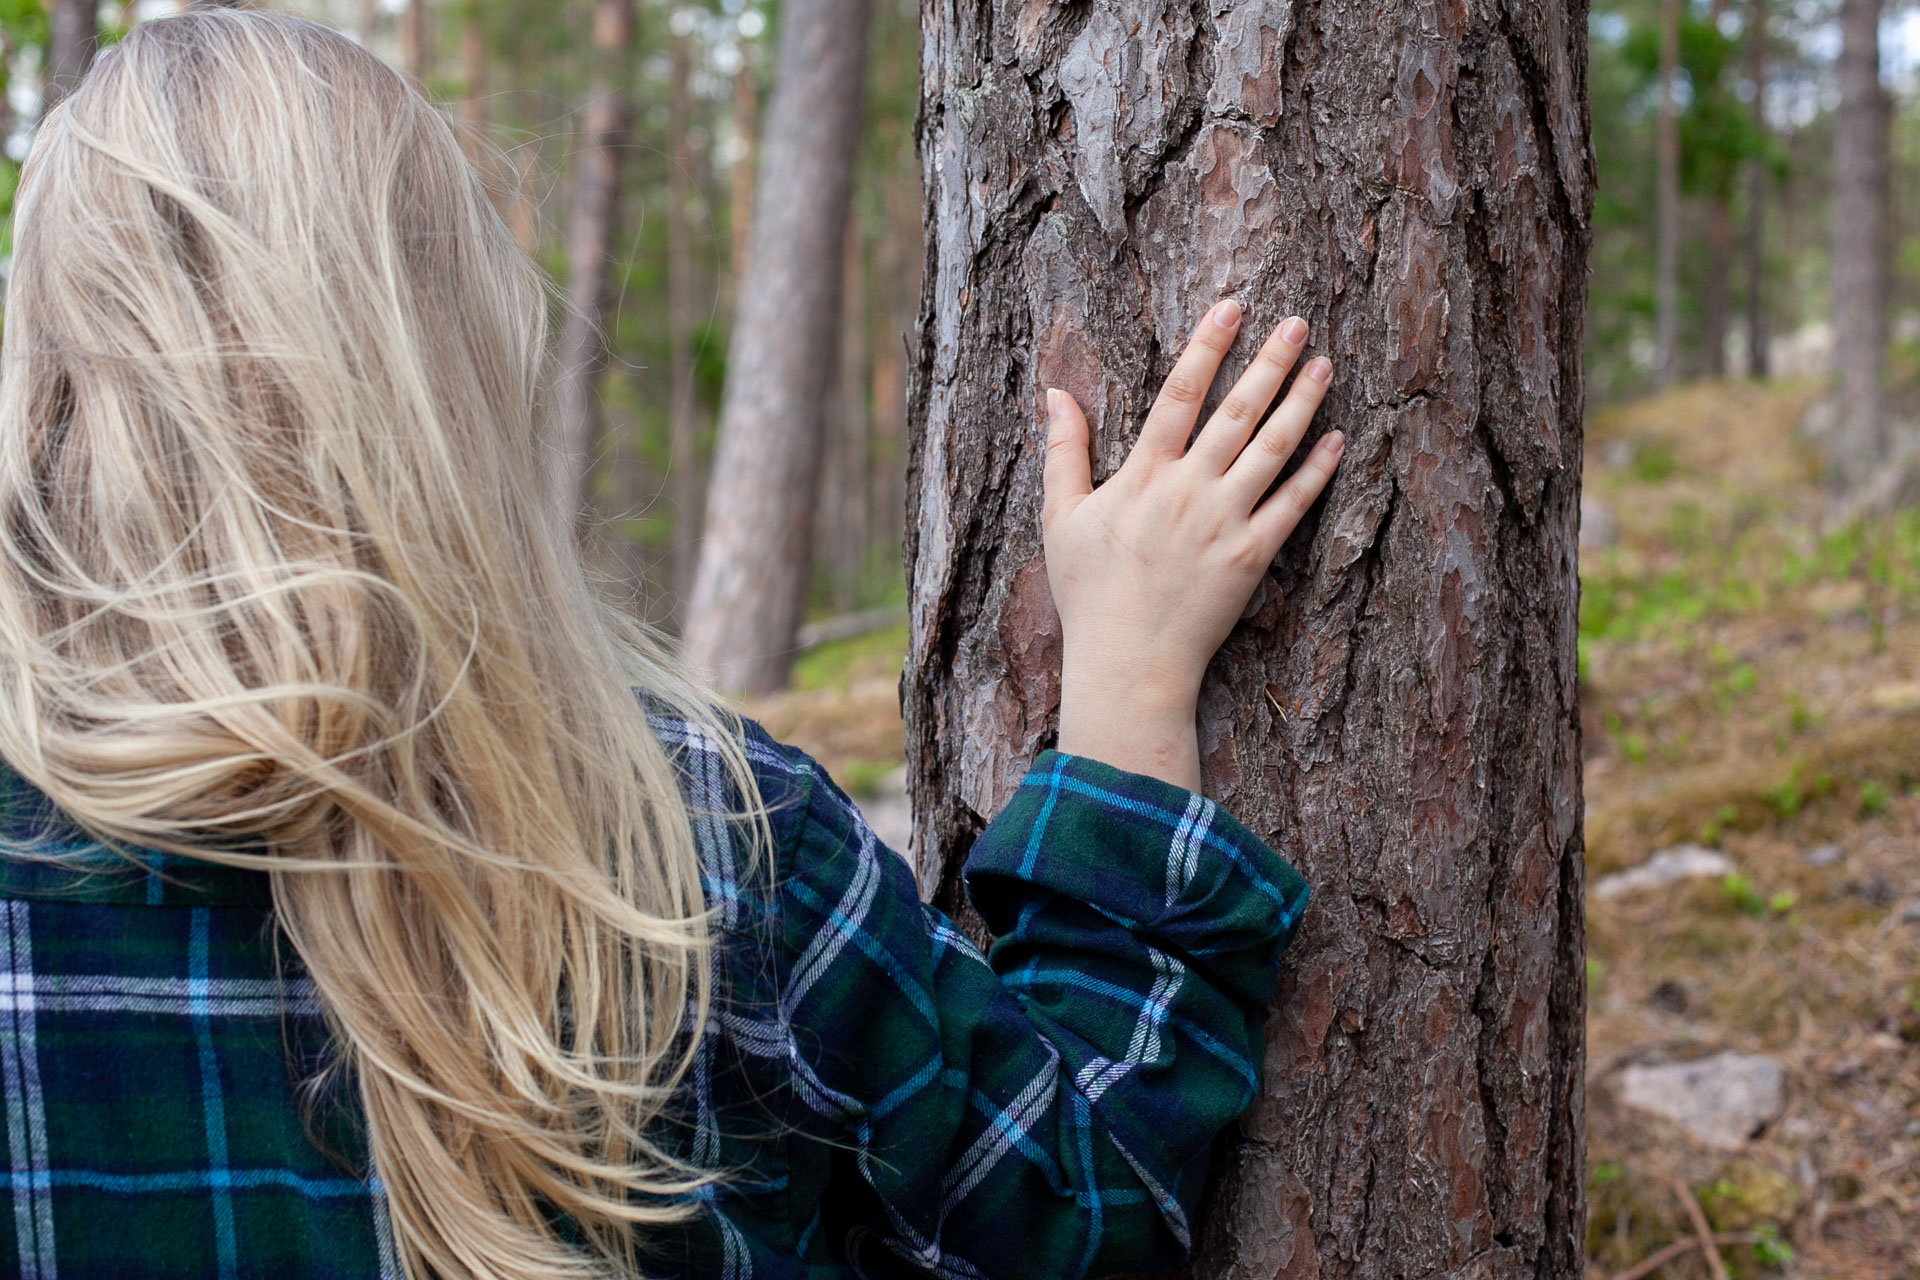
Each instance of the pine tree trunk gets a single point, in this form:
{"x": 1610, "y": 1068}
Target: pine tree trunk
{"x": 416, "y": 42}
{"x": 746, "y": 127}
{"x": 1397, "y": 712}
{"x": 751, "y": 586}
{"x": 1754, "y": 249}
{"x": 590, "y": 259}
{"x": 365, "y": 14}
{"x": 682, "y": 429}
{"x": 1716, "y": 302}
{"x": 1666, "y": 269}
{"x": 73, "y": 32}
{"x": 1860, "y": 160}
{"x": 473, "y": 98}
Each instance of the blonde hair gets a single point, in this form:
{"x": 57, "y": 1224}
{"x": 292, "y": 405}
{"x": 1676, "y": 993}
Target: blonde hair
{"x": 279, "y": 574}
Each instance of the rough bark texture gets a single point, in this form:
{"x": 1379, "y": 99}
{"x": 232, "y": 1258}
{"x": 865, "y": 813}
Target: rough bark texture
{"x": 73, "y": 31}
{"x": 1860, "y": 157}
{"x": 1666, "y": 249}
{"x": 596, "y": 208}
{"x": 1753, "y": 249}
{"x": 1397, "y": 711}
{"x": 751, "y": 585}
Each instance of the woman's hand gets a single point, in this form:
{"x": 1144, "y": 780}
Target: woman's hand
{"x": 1151, "y": 570}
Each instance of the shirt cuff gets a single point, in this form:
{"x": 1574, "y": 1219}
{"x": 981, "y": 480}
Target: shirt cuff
{"x": 1154, "y": 857}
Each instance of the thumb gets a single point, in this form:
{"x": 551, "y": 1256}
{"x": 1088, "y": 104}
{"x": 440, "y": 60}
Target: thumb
{"x": 1068, "y": 476}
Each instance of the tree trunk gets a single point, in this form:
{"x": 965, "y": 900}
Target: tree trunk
{"x": 473, "y": 99}
{"x": 840, "y": 528}
{"x": 746, "y": 127}
{"x": 682, "y": 430}
{"x": 1863, "y": 439}
{"x": 416, "y": 42}
{"x": 1715, "y": 303}
{"x": 590, "y": 259}
{"x": 750, "y": 590}
{"x": 1397, "y": 711}
{"x": 73, "y": 33}
{"x": 365, "y": 14}
{"x": 1758, "y": 335}
{"x": 1666, "y": 267}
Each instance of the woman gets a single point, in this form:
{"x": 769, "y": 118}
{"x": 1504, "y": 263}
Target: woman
{"x": 350, "y": 831}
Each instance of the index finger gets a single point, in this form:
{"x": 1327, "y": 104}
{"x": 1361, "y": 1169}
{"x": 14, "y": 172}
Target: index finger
{"x": 1175, "y": 410}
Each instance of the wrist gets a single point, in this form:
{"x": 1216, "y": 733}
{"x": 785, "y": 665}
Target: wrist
{"x": 1141, "y": 727}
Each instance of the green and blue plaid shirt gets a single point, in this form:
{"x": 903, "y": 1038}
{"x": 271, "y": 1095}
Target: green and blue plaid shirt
{"x": 890, "y": 1102}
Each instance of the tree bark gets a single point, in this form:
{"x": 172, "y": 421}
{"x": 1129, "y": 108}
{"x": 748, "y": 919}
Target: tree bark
{"x": 1397, "y": 712}
{"x": 72, "y": 36}
{"x": 682, "y": 429}
{"x": 590, "y": 259}
{"x": 365, "y": 14}
{"x": 1755, "y": 247}
{"x": 751, "y": 586}
{"x": 1666, "y": 269}
{"x": 1863, "y": 439}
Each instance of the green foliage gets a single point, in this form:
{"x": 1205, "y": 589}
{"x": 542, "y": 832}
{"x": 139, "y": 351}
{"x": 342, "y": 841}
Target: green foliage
{"x": 1874, "y": 799}
{"x": 832, "y": 665}
{"x": 1712, "y": 829}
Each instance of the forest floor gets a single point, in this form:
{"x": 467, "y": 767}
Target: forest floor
{"x": 1750, "y": 683}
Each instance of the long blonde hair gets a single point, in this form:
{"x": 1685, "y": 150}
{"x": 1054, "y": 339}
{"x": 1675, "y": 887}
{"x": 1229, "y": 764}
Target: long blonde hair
{"x": 278, "y": 574}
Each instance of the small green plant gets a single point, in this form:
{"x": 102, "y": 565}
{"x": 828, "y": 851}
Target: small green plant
{"x": 1874, "y": 799}
{"x": 1782, "y": 902}
{"x": 1596, "y": 970}
{"x": 1606, "y": 1173}
{"x": 1712, "y": 829}
{"x": 1769, "y": 1249}
{"x": 1741, "y": 893}
{"x": 1799, "y": 714}
{"x": 1654, "y": 460}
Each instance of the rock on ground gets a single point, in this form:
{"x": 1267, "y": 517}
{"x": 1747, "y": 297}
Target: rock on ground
{"x": 1722, "y": 1101}
{"x": 1681, "y": 862}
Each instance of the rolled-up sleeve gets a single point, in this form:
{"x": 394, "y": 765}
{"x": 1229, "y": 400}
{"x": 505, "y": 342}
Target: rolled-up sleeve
{"x": 1046, "y": 1110}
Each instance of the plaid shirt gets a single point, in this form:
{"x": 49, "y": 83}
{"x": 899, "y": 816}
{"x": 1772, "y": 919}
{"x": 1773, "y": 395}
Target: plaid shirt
{"x": 889, "y": 1102}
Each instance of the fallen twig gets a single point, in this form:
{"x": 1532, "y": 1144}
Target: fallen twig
{"x": 1702, "y": 1230}
{"x": 1654, "y": 1261}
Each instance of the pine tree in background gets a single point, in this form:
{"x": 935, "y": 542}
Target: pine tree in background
{"x": 1863, "y": 441}
{"x": 1754, "y": 241}
{"x": 590, "y": 257}
{"x": 74, "y": 33}
{"x": 756, "y": 553}
{"x": 1666, "y": 230}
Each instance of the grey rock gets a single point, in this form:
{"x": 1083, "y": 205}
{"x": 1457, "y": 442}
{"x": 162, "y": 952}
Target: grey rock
{"x": 1822, "y": 855}
{"x": 1681, "y": 862}
{"x": 1722, "y": 1101}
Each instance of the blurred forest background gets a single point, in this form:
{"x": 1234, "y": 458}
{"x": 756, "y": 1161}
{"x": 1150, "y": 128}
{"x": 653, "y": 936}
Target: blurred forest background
{"x": 1750, "y": 619}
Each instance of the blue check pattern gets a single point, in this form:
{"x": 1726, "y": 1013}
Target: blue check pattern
{"x": 886, "y": 1101}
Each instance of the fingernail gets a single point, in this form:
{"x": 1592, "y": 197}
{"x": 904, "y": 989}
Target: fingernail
{"x": 1294, "y": 331}
{"x": 1053, "y": 402}
{"x": 1227, "y": 314}
{"x": 1320, "y": 369}
{"x": 1336, "y": 444}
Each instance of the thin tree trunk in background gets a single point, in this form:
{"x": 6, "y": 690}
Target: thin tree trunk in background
{"x": 746, "y": 126}
{"x": 1397, "y": 713}
{"x": 1758, "y": 336}
{"x": 1666, "y": 281}
{"x": 73, "y": 32}
{"x": 590, "y": 258}
{"x": 473, "y": 74}
{"x": 416, "y": 42}
{"x": 1863, "y": 441}
{"x": 750, "y": 589}
{"x": 840, "y": 529}
{"x": 365, "y": 14}
{"x": 1716, "y": 302}
{"x": 683, "y": 430}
